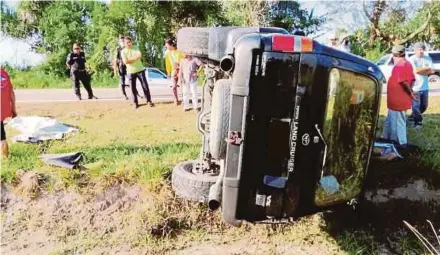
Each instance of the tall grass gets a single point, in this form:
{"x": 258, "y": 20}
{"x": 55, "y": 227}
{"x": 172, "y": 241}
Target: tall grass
{"x": 38, "y": 79}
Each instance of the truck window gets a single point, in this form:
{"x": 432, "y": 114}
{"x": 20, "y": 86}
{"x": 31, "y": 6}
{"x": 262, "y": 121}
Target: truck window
{"x": 347, "y": 130}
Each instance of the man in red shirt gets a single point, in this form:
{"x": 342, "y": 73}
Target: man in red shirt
{"x": 399, "y": 97}
{"x": 7, "y": 107}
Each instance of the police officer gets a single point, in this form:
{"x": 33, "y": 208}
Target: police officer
{"x": 76, "y": 62}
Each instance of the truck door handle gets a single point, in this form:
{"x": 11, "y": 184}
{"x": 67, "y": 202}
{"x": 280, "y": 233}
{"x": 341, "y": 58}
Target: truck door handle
{"x": 325, "y": 149}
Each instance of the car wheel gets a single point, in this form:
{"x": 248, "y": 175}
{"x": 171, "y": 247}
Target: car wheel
{"x": 434, "y": 81}
{"x": 193, "y": 41}
{"x": 434, "y": 78}
{"x": 219, "y": 118}
{"x": 191, "y": 185}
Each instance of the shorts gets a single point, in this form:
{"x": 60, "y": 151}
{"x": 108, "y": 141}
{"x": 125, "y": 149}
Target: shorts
{"x": 3, "y": 132}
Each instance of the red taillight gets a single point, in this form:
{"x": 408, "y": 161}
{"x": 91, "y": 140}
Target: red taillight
{"x": 284, "y": 43}
{"x": 291, "y": 43}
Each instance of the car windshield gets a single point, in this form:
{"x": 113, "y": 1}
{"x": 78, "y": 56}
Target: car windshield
{"x": 383, "y": 60}
{"x": 155, "y": 74}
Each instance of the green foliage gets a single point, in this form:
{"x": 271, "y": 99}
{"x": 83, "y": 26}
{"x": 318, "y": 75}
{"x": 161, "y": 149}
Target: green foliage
{"x": 37, "y": 78}
{"x": 289, "y": 15}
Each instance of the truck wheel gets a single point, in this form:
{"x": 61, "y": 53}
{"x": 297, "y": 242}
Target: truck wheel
{"x": 190, "y": 185}
{"x": 193, "y": 41}
{"x": 219, "y": 118}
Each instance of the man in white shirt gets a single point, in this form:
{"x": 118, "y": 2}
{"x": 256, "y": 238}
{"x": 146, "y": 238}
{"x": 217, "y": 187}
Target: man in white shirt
{"x": 189, "y": 67}
{"x": 423, "y": 67}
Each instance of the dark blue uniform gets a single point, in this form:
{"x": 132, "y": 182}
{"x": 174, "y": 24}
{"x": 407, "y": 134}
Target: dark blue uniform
{"x": 77, "y": 63}
{"x": 122, "y": 69}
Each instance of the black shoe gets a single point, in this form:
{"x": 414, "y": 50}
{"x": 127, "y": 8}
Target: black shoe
{"x": 93, "y": 97}
{"x": 150, "y": 104}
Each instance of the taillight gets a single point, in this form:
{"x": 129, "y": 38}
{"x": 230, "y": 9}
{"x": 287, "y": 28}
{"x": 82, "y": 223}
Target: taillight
{"x": 291, "y": 43}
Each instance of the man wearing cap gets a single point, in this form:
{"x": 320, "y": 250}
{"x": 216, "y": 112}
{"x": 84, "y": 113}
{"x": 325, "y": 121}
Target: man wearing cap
{"x": 399, "y": 97}
{"x": 423, "y": 67}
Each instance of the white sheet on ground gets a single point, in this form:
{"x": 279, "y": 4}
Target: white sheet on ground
{"x": 34, "y": 129}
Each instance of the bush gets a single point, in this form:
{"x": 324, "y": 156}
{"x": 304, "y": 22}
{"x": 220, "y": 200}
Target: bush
{"x": 35, "y": 78}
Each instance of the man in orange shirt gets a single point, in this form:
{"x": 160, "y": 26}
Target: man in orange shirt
{"x": 7, "y": 109}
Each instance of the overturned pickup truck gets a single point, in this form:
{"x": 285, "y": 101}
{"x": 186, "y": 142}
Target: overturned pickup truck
{"x": 288, "y": 124}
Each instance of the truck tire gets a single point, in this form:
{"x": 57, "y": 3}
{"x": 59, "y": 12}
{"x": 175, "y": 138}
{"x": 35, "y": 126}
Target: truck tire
{"x": 189, "y": 185}
{"x": 220, "y": 109}
{"x": 223, "y": 38}
{"x": 193, "y": 41}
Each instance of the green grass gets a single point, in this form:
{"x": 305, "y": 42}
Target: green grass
{"x": 37, "y": 79}
{"x": 131, "y": 145}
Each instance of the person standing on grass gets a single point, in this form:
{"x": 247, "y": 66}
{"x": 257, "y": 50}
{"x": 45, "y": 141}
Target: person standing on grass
{"x": 172, "y": 61}
{"x": 76, "y": 62}
{"x": 423, "y": 67}
{"x": 131, "y": 56}
{"x": 189, "y": 68}
{"x": 119, "y": 67}
{"x": 399, "y": 97}
{"x": 7, "y": 108}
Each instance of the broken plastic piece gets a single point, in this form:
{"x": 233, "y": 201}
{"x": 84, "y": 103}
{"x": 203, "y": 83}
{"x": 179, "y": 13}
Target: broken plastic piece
{"x": 329, "y": 184}
{"x": 67, "y": 160}
{"x": 388, "y": 148}
{"x": 276, "y": 182}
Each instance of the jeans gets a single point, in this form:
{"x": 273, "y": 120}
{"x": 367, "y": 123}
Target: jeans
{"x": 419, "y": 106}
{"x": 144, "y": 84}
{"x": 122, "y": 83}
{"x": 394, "y": 127}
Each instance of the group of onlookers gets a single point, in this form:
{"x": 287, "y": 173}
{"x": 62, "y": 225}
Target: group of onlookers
{"x": 181, "y": 70}
{"x": 407, "y": 88}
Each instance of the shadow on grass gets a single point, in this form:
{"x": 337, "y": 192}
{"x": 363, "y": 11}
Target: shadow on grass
{"x": 377, "y": 228}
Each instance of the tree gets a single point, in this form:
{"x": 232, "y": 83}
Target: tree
{"x": 247, "y": 13}
{"x": 289, "y": 15}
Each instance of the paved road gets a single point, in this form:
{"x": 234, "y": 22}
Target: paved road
{"x": 107, "y": 94}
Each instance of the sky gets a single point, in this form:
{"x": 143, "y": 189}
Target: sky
{"x": 18, "y": 52}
